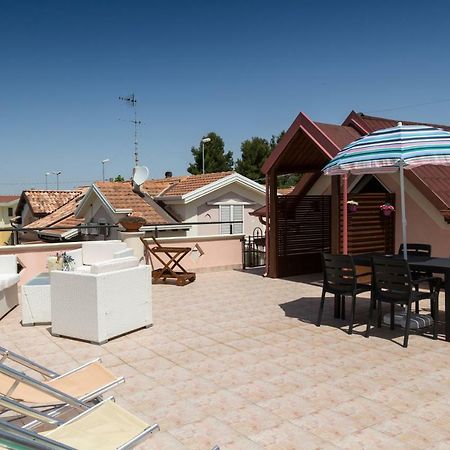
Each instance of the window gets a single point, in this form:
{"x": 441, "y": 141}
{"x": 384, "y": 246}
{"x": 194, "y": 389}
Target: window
{"x": 10, "y": 212}
{"x": 231, "y": 213}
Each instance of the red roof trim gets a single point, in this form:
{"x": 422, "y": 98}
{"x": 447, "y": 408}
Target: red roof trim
{"x": 305, "y": 124}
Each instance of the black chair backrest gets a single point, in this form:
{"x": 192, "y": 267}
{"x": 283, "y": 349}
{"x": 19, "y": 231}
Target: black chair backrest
{"x": 339, "y": 274}
{"x": 391, "y": 279}
{"x": 416, "y": 249}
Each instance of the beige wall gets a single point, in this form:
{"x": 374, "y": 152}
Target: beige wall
{"x": 202, "y": 209}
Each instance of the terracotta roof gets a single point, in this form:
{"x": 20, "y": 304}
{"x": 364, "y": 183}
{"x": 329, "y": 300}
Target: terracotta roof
{"x": 8, "y": 198}
{"x": 190, "y": 183}
{"x": 432, "y": 181}
{"x": 43, "y": 202}
{"x": 120, "y": 196}
{"x": 61, "y": 216}
{"x": 158, "y": 186}
{"x": 285, "y": 191}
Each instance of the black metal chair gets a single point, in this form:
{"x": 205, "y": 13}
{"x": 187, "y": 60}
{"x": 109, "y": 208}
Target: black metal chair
{"x": 419, "y": 276}
{"x": 340, "y": 279}
{"x": 392, "y": 283}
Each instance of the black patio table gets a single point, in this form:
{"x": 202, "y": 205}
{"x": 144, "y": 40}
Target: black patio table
{"x": 424, "y": 263}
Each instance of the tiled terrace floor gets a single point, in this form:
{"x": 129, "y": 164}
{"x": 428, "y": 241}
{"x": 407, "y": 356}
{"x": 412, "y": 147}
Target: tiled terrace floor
{"x": 234, "y": 360}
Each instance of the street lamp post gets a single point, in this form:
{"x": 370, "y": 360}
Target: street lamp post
{"x": 103, "y": 168}
{"x": 204, "y": 141}
{"x": 46, "y": 180}
{"x": 57, "y": 173}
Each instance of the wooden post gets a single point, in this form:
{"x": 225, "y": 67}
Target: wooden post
{"x": 335, "y": 225}
{"x": 273, "y": 225}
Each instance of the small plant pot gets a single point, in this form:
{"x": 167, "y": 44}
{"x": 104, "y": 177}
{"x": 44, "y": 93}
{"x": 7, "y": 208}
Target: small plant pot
{"x": 352, "y": 208}
{"x": 132, "y": 223}
{"x": 387, "y": 212}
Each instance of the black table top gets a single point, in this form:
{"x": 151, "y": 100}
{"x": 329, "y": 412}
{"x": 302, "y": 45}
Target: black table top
{"x": 436, "y": 264}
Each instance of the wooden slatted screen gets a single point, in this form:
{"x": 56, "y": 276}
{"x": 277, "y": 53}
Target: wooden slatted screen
{"x": 368, "y": 229}
{"x": 303, "y": 233}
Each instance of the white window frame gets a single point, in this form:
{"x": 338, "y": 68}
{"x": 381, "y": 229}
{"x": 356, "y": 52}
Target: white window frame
{"x": 232, "y": 207}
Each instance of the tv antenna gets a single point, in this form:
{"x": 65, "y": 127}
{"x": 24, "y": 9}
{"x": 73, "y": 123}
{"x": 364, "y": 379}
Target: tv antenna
{"x": 131, "y": 101}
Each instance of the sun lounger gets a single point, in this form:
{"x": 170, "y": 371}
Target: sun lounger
{"x": 84, "y": 383}
{"x": 105, "y": 426}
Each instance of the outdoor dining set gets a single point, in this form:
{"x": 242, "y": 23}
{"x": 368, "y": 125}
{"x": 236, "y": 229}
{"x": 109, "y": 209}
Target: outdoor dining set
{"x": 395, "y": 281}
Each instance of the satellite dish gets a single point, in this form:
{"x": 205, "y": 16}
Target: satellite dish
{"x": 140, "y": 174}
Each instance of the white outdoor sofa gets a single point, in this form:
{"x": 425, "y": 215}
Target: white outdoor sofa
{"x": 9, "y": 293}
{"x": 96, "y": 251}
{"x": 112, "y": 299}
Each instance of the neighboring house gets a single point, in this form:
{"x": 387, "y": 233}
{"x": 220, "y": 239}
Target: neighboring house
{"x": 306, "y": 148}
{"x": 34, "y": 204}
{"x": 8, "y": 204}
{"x": 175, "y": 205}
{"x": 61, "y": 224}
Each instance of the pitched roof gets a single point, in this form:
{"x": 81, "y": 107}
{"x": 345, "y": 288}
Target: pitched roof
{"x": 432, "y": 181}
{"x": 43, "y": 202}
{"x": 185, "y": 184}
{"x": 8, "y": 198}
{"x": 61, "y": 217}
{"x": 120, "y": 196}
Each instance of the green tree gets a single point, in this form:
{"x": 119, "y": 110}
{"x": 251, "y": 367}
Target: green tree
{"x": 119, "y": 178}
{"x": 216, "y": 160}
{"x": 254, "y": 153}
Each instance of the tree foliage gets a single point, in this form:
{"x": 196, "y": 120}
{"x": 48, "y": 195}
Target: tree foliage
{"x": 119, "y": 178}
{"x": 216, "y": 159}
{"x": 254, "y": 153}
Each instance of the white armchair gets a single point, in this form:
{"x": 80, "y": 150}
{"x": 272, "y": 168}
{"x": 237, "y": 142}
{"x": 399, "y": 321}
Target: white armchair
{"x": 95, "y": 251}
{"x": 9, "y": 297}
{"x": 113, "y": 299}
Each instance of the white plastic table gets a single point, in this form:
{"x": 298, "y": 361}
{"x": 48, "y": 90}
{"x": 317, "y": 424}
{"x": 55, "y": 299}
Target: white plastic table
{"x": 35, "y": 300}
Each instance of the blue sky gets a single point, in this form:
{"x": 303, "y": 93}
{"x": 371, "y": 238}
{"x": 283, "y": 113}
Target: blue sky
{"x": 239, "y": 68}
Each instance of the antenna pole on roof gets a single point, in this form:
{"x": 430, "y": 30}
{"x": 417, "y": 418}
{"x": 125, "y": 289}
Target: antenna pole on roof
{"x": 131, "y": 101}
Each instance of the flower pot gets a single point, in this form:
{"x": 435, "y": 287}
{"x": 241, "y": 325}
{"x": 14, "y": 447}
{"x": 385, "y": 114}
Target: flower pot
{"x": 132, "y": 223}
{"x": 352, "y": 208}
{"x": 387, "y": 212}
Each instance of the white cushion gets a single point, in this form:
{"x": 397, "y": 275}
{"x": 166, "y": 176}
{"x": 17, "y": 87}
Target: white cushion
{"x": 8, "y": 280}
{"x": 8, "y": 264}
{"x": 77, "y": 256}
{"x": 114, "y": 264}
{"x": 96, "y": 251}
{"x": 124, "y": 253}
{"x": 82, "y": 269}
{"x": 416, "y": 321}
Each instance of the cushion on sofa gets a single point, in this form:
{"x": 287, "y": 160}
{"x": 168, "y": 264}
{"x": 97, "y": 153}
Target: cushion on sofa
{"x": 96, "y": 251}
{"x": 124, "y": 253}
{"x": 114, "y": 264}
{"x": 8, "y": 280}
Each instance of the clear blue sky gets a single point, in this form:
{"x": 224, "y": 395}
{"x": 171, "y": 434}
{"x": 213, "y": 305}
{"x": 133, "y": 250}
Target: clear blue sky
{"x": 239, "y": 68}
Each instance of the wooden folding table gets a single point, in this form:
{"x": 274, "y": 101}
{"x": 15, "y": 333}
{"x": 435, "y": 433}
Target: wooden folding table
{"x": 170, "y": 258}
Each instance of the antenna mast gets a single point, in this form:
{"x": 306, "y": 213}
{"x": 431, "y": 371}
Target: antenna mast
{"x": 131, "y": 100}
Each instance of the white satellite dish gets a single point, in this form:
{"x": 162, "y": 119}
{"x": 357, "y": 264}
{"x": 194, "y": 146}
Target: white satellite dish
{"x": 140, "y": 174}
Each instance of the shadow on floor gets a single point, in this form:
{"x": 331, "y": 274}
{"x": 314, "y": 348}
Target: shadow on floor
{"x": 306, "y": 310}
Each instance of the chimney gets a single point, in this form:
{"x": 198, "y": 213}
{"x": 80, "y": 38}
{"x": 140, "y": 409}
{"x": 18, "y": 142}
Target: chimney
{"x": 168, "y": 174}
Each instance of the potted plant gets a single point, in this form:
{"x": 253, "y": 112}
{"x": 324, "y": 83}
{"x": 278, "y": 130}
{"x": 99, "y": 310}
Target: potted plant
{"x": 352, "y": 206}
{"x": 387, "y": 209}
{"x": 132, "y": 223}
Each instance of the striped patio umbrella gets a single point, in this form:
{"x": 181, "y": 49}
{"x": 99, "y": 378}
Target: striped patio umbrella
{"x": 390, "y": 150}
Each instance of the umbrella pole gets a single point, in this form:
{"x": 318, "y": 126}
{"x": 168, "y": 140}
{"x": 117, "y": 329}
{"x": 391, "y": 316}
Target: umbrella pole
{"x": 402, "y": 200}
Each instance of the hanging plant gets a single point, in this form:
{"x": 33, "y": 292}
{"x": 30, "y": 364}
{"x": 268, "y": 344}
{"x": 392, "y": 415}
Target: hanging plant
{"x": 352, "y": 206}
{"x": 387, "y": 209}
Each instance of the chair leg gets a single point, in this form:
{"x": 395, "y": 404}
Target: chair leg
{"x": 322, "y": 302}
{"x": 379, "y": 314}
{"x": 337, "y": 306}
{"x": 416, "y": 287}
{"x": 371, "y": 308}
{"x": 434, "y": 314}
{"x": 352, "y": 315}
{"x": 407, "y": 324}
{"x": 343, "y": 307}
{"x": 392, "y": 316}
